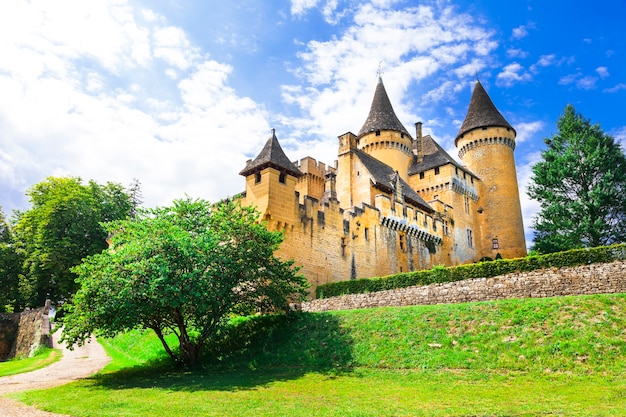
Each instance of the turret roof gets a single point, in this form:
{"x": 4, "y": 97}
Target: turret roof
{"x": 381, "y": 116}
{"x": 433, "y": 156}
{"x": 481, "y": 112}
{"x": 272, "y": 155}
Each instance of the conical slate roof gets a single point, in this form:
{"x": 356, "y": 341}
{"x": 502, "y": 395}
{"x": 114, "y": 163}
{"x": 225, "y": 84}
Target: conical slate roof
{"x": 381, "y": 116}
{"x": 482, "y": 112}
{"x": 273, "y": 156}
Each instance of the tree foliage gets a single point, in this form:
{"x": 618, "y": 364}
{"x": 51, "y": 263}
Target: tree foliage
{"x": 580, "y": 184}
{"x": 62, "y": 227}
{"x": 10, "y": 269}
{"x": 184, "y": 269}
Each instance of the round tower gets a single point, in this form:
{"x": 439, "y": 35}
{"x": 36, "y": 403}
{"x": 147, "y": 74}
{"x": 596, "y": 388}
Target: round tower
{"x": 486, "y": 142}
{"x": 384, "y": 137}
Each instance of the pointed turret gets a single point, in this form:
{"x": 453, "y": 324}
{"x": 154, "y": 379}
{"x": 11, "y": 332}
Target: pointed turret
{"x": 273, "y": 156}
{"x": 383, "y": 136}
{"x": 381, "y": 116}
{"x": 481, "y": 113}
{"x": 486, "y": 143}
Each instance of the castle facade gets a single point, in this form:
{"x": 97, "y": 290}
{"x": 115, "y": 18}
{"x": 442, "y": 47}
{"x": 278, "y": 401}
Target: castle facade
{"x": 393, "y": 202}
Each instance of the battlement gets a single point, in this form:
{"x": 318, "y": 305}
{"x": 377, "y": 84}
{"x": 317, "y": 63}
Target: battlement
{"x": 309, "y": 165}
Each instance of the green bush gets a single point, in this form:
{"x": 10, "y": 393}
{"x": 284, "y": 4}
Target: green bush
{"x": 439, "y": 274}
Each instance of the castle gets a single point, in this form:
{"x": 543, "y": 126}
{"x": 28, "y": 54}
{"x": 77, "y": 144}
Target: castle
{"x": 392, "y": 202}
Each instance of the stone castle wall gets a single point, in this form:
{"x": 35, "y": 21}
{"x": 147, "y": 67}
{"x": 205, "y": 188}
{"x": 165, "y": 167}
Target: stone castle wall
{"x": 582, "y": 280}
{"x": 22, "y": 333}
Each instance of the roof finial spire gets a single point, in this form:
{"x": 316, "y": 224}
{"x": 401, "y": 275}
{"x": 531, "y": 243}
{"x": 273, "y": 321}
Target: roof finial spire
{"x": 379, "y": 71}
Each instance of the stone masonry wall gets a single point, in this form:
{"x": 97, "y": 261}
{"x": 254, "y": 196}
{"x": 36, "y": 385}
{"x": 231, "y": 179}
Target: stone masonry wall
{"x": 8, "y": 333}
{"x": 587, "y": 279}
{"x": 22, "y": 333}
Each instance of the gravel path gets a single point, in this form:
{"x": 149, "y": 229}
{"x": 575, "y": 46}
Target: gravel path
{"x": 75, "y": 364}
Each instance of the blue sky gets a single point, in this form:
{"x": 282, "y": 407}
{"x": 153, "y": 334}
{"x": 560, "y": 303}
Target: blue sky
{"x": 179, "y": 94}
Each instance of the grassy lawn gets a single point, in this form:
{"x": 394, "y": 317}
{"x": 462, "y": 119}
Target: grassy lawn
{"x": 559, "y": 356}
{"x": 42, "y": 358}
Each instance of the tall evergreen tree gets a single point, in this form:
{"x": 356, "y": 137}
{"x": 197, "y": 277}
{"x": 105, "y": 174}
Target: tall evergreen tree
{"x": 580, "y": 184}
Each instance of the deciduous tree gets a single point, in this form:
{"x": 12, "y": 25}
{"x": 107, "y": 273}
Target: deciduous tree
{"x": 61, "y": 228}
{"x": 580, "y": 184}
{"x": 10, "y": 269}
{"x": 184, "y": 269}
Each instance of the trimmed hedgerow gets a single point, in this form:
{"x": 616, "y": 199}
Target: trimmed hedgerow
{"x": 439, "y": 274}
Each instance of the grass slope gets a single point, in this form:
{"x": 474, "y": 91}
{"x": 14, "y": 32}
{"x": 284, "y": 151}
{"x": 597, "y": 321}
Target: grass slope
{"x": 42, "y": 358}
{"x": 557, "y": 356}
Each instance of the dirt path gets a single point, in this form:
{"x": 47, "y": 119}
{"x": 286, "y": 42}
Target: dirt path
{"x": 75, "y": 364}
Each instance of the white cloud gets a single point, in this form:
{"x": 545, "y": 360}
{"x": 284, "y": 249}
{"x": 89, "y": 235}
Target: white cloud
{"x": 106, "y": 108}
{"x": 527, "y": 130}
{"x": 544, "y": 61}
{"x": 616, "y": 88}
{"x": 587, "y": 83}
{"x": 338, "y": 76}
{"x": 512, "y": 74}
{"x": 519, "y": 32}
{"x": 603, "y": 72}
{"x": 516, "y": 53}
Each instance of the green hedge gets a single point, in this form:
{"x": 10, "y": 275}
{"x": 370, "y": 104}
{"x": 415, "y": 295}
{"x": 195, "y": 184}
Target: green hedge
{"x": 575, "y": 257}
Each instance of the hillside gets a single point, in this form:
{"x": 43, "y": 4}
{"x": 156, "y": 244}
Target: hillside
{"x": 556, "y": 356}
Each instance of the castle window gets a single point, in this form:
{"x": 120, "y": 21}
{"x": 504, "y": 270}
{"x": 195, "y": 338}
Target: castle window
{"x": 366, "y": 233}
{"x": 456, "y": 170}
{"x": 257, "y": 178}
{"x": 446, "y": 228}
{"x": 472, "y": 178}
{"x": 495, "y": 244}
{"x": 343, "y": 246}
{"x": 437, "y": 171}
{"x": 434, "y": 225}
{"x": 470, "y": 239}
{"x": 421, "y": 175}
{"x": 401, "y": 135}
{"x": 467, "y": 205}
{"x": 282, "y": 178}
{"x": 402, "y": 243}
{"x": 378, "y": 133}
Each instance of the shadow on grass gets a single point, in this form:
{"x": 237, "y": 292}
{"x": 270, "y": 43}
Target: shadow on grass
{"x": 251, "y": 353}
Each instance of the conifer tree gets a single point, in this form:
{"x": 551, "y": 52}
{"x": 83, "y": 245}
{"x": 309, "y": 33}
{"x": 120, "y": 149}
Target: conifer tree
{"x": 580, "y": 184}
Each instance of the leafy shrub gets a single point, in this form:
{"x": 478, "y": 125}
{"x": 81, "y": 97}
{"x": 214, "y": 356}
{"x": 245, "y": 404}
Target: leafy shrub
{"x": 440, "y": 274}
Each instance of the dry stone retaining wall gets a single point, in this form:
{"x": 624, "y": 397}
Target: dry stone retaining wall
{"x": 22, "y": 333}
{"x": 587, "y": 279}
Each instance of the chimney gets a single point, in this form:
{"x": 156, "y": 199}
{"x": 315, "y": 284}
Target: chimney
{"x": 330, "y": 190}
{"x": 419, "y": 145}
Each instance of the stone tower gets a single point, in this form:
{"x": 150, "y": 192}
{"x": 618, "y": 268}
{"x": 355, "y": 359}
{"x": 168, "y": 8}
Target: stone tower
{"x": 486, "y": 142}
{"x": 271, "y": 185}
{"x": 384, "y": 137}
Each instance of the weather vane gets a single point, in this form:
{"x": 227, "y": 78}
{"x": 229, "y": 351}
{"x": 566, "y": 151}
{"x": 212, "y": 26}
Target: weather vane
{"x": 379, "y": 71}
